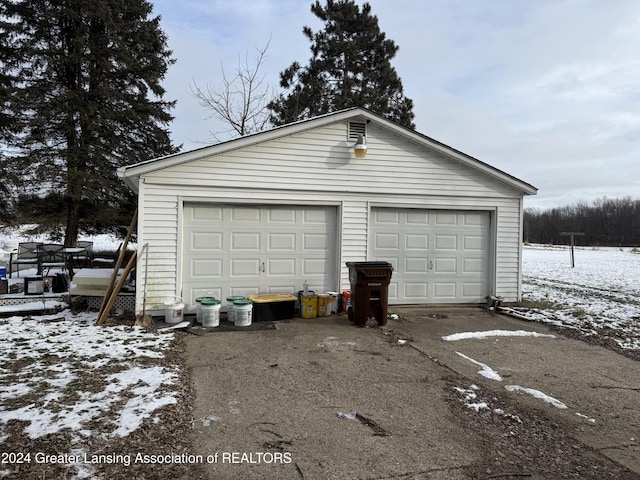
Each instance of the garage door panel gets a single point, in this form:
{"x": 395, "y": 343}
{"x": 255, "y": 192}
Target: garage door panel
{"x": 416, "y": 241}
{"x": 442, "y": 256}
{"x": 417, "y": 218}
{"x": 384, "y": 241}
{"x": 392, "y": 290}
{"x": 319, "y": 217}
{"x": 203, "y": 290}
{"x": 282, "y": 267}
{"x": 473, "y": 265}
{"x": 205, "y": 268}
{"x": 202, "y": 242}
{"x": 445, "y": 291}
{"x": 415, "y": 291}
{"x": 245, "y": 215}
{"x": 282, "y": 215}
{"x": 208, "y": 214}
{"x": 473, "y": 243}
{"x": 315, "y": 266}
{"x": 473, "y": 290}
{"x": 281, "y": 242}
{"x": 446, "y": 219}
{"x": 472, "y": 219}
{"x": 415, "y": 265}
{"x": 318, "y": 242}
{"x": 446, "y": 242}
{"x": 445, "y": 266}
{"x": 245, "y": 267}
{"x": 387, "y": 217}
{"x": 245, "y": 241}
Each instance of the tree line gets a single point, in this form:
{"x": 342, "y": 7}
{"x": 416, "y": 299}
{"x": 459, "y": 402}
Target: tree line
{"x": 81, "y": 94}
{"x": 604, "y": 222}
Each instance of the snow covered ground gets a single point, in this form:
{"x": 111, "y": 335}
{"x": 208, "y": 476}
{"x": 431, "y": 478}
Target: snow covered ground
{"x": 599, "y": 296}
{"x": 62, "y": 373}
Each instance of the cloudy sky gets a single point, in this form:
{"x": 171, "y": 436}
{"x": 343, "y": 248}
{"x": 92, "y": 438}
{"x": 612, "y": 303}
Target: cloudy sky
{"x": 546, "y": 90}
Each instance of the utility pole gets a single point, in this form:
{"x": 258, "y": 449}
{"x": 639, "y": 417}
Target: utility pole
{"x": 571, "y": 235}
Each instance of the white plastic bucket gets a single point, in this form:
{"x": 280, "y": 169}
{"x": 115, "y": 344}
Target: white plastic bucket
{"x": 199, "y": 300}
{"x": 243, "y": 310}
{"x": 210, "y": 311}
{"x": 173, "y": 311}
{"x": 231, "y": 313}
{"x": 333, "y": 306}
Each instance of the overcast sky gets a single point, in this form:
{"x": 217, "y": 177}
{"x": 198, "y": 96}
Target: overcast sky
{"x": 546, "y": 90}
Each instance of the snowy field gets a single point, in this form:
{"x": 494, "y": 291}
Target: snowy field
{"x": 599, "y": 296}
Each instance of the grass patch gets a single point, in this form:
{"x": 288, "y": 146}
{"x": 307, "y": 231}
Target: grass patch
{"x": 537, "y": 304}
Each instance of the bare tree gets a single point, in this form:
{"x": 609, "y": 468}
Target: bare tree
{"x": 242, "y": 101}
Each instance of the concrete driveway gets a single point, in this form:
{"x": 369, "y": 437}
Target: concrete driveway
{"x": 320, "y": 398}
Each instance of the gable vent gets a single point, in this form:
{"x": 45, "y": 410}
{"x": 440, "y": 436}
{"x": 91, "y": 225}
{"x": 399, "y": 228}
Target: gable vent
{"x": 356, "y": 129}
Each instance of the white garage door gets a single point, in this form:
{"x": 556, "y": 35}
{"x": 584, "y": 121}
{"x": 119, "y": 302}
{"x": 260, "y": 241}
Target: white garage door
{"x": 251, "y": 249}
{"x": 438, "y": 256}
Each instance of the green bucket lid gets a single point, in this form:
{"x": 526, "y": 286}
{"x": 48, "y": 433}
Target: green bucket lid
{"x": 234, "y": 298}
{"x": 243, "y": 302}
{"x": 203, "y": 299}
{"x": 209, "y": 301}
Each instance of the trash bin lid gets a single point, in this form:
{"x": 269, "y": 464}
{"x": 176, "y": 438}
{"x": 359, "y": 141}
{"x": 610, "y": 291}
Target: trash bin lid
{"x": 371, "y": 264}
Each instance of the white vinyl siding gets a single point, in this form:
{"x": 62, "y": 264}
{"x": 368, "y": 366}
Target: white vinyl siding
{"x": 323, "y": 160}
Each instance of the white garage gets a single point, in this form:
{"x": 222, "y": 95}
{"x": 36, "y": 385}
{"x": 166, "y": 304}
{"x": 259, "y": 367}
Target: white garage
{"x": 266, "y": 212}
{"x": 438, "y": 256}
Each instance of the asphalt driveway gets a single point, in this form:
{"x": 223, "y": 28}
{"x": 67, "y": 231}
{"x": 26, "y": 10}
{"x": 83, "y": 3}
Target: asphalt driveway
{"x": 320, "y": 398}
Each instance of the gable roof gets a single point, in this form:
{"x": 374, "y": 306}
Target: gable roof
{"x": 130, "y": 174}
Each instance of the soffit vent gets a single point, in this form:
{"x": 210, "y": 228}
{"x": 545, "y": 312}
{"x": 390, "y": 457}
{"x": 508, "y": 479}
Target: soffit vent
{"x": 357, "y": 128}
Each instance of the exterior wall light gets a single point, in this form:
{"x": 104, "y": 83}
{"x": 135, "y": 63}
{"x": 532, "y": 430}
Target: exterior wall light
{"x": 360, "y": 147}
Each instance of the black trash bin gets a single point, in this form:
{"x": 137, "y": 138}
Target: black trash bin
{"x": 369, "y": 291}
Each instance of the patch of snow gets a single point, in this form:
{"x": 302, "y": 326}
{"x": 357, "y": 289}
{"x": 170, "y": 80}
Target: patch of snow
{"x": 477, "y": 406}
{"x": 589, "y": 419}
{"x": 32, "y": 306}
{"x": 470, "y": 395}
{"x": 11, "y": 236}
{"x": 493, "y": 333}
{"x": 62, "y": 384}
{"x": 536, "y": 394}
{"x": 486, "y": 371}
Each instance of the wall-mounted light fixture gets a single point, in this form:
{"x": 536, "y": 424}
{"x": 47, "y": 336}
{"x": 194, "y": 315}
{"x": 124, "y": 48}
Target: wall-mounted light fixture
{"x": 360, "y": 147}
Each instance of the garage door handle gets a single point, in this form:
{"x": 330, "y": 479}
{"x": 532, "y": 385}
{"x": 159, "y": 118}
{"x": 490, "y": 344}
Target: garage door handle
{"x": 430, "y": 264}
{"x": 262, "y": 267}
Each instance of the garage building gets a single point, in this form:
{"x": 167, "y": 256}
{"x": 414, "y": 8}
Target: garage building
{"x": 266, "y": 212}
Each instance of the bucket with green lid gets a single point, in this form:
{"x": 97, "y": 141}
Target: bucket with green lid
{"x": 243, "y": 310}
{"x": 210, "y": 308}
{"x": 199, "y": 301}
{"x": 230, "y": 311}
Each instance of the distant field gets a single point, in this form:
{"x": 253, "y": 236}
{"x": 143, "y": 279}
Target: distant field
{"x": 600, "y": 296}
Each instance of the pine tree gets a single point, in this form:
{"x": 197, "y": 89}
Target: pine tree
{"x": 350, "y": 66}
{"x": 84, "y": 96}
